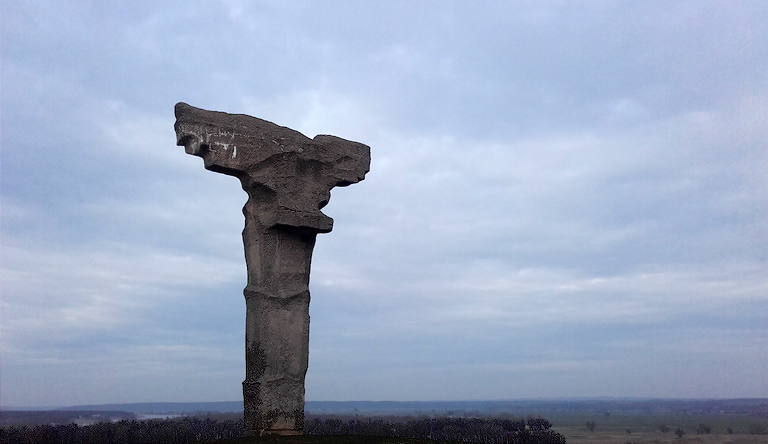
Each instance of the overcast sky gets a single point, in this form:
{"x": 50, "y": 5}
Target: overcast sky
{"x": 566, "y": 199}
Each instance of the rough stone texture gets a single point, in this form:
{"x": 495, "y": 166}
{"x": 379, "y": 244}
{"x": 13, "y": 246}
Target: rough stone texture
{"x": 288, "y": 178}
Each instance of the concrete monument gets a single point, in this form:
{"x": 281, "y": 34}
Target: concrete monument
{"x": 288, "y": 178}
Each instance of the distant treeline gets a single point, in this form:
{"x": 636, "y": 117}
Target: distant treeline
{"x": 194, "y": 430}
{"x": 156, "y": 431}
{"x": 474, "y": 430}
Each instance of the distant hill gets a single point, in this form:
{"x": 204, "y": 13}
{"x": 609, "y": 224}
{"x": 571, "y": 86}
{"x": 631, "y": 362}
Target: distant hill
{"x": 80, "y": 417}
{"x": 460, "y": 408}
{"x": 165, "y": 407}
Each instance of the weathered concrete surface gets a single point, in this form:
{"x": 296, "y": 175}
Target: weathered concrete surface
{"x": 288, "y": 178}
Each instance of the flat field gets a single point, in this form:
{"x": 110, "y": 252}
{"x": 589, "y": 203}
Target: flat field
{"x": 580, "y": 437}
{"x": 644, "y": 428}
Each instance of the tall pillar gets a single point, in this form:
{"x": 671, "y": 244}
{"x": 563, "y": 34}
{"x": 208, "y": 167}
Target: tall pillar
{"x": 288, "y": 178}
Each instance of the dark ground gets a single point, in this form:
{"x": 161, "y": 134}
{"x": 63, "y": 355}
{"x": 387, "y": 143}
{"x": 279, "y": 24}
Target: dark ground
{"x": 325, "y": 439}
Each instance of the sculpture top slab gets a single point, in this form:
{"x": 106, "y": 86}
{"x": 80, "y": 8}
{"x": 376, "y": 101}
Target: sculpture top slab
{"x": 288, "y": 175}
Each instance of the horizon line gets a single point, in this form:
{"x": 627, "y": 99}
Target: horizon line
{"x": 527, "y": 399}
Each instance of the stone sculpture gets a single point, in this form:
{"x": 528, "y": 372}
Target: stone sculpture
{"x": 288, "y": 178}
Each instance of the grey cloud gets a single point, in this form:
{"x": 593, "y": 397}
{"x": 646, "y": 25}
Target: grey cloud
{"x": 559, "y": 192}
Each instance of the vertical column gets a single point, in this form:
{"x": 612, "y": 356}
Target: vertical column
{"x": 277, "y": 355}
{"x": 277, "y": 325}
